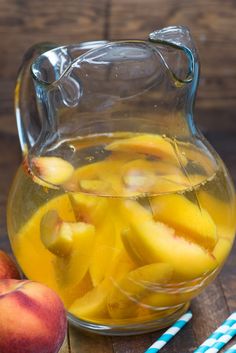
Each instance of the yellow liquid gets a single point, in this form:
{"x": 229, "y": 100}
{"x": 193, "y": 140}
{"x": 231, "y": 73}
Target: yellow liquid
{"x": 164, "y": 220}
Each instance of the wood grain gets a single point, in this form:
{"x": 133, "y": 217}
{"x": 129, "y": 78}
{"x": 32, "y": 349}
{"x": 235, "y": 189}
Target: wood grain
{"x": 213, "y": 25}
{"x": 213, "y": 28}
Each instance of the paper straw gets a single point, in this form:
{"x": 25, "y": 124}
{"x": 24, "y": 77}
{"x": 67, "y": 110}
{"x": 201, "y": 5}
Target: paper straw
{"x": 223, "y": 340}
{"x": 170, "y": 333}
{"x": 219, "y": 332}
{"x": 231, "y": 349}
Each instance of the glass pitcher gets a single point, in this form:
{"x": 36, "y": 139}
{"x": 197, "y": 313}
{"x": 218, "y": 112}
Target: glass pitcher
{"x": 120, "y": 205}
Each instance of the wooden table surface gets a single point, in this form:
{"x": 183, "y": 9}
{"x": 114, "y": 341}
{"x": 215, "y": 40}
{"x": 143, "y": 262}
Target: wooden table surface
{"x": 213, "y": 25}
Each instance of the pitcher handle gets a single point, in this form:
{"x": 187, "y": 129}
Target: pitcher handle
{"x": 179, "y": 37}
{"x": 27, "y": 116}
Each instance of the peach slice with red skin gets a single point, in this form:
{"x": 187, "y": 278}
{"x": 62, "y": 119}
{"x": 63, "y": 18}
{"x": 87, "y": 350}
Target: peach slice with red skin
{"x": 72, "y": 243}
{"x": 55, "y": 234}
{"x": 187, "y": 218}
{"x": 33, "y": 318}
{"x": 94, "y": 303}
{"x": 52, "y": 170}
{"x": 156, "y": 242}
{"x": 71, "y": 269}
{"x": 29, "y": 249}
{"x": 88, "y": 208}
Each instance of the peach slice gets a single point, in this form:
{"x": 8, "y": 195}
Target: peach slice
{"x": 222, "y": 213}
{"x": 95, "y": 186}
{"x": 71, "y": 269}
{"x": 120, "y": 266}
{"x": 156, "y": 242}
{"x": 164, "y": 300}
{"x": 106, "y": 173}
{"x": 70, "y": 294}
{"x": 89, "y": 208}
{"x": 186, "y": 218}
{"x": 150, "y": 166}
{"x": 133, "y": 212}
{"x": 154, "y": 145}
{"x": 103, "y": 251}
{"x": 222, "y": 249}
{"x": 123, "y": 300}
{"x": 34, "y": 259}
{"x": 128, "y": 245}
{"x": 141, "y": 175}
{"x": 53, "y": 170}
{"x": 55, "y": 234}
{"x": 93, "y": 304}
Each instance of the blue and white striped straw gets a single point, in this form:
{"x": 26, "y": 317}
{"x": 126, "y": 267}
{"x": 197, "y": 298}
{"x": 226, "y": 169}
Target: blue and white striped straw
{"x": 223, "y": 340}
{"x": 215, "y": 336}
{"x": 170, "y": 333}
{"x": 231, "y": 349}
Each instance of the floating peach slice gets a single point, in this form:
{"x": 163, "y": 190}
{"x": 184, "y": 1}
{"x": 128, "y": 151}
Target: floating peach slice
{"x": 89, "y": 208}
{"x": 53, "y": 170}
{"x": 126, "y": 294}
{"x": 99, "y": 177}
{"x": 187, "y": 218}
{"x": 120, "y": 266}
{"x": 55, "y": 234}
{"x": 156, "y": 242}
{"x": 95, "y": 186}
{"x": 153, "y": 145}
{"x": 162, "y": 300}
{"x": 150, "y": 166}
{"x": 221, "y": 212}
{"x": 222, "y": 250}
{"x": 131, "y": 250}
{"x": 103, "y": 251}
{"x": 140, "y": 181}
{"x": 142, "y": 175}
{"x": 29, "y": 249}
{"x": 133, "y": 212}
{"x": 70, "y": 294}
{"x": 93, "y": 303}
{"x": 156, "y": 184}
{"x": 71, "y": 269}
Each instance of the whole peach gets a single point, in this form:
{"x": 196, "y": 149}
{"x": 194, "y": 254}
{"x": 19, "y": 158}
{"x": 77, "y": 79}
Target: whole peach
{"x": 32, "y": 318}
{"x": 8, "y": 267}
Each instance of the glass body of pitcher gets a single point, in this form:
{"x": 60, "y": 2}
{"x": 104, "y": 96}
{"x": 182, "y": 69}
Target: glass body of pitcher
{"x": 120, "y": 205}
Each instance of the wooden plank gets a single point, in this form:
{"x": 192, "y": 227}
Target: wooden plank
{"x": 24, "y": 23}
{"x": 227, "y": 280}
{"x": 83, "y": 342}
{"x": 211, "y": 26}
{"x": 131, "y": 344}
{"x": 209, "y": 310}
{"x": 65, "y": 347}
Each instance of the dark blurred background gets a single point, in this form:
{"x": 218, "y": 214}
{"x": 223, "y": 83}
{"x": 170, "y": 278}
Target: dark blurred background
{"x": 213, "y": 26}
